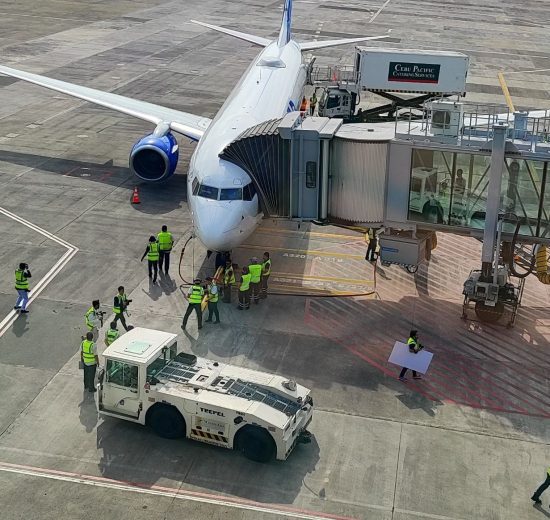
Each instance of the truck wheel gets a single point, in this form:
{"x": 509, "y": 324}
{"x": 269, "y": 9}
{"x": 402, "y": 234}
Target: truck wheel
{"x": 256, "y": 444}
{"x": 167, "y": 422}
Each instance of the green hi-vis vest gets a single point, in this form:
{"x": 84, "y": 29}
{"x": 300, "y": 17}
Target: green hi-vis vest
{"x": 197, "y": 292}
{"x": 255, "y": 273}
{"x": 245, "y": 282}
{"x": 111, "y": 335}
{"x": 153, "y": 254}
{"x": 90, "y": 314}
{"x": 266, "y": 267}
{"x": 212, "y": 297}
{"x": 121, "y": 299}
{"x": 21, "y": 281}
{"x": 165, "y": 240}
{"x": 88, "y": 356}
{"x": 229, "y": 276}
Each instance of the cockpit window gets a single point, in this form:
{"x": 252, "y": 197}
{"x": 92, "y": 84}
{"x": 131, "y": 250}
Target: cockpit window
{"x": 231, "y": 194}
{"x": 208, "y": 192}
{"x": 249, "y": 191}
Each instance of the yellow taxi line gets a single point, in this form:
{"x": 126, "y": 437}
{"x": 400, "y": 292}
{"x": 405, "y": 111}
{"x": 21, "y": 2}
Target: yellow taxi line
{"x": 303, "y": 251}
{"x": 323, "y": 278}
{"x": 315, "y": 233}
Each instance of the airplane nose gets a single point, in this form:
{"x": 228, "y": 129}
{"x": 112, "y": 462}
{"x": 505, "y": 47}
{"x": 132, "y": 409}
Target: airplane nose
{"x": 218, "y": 227}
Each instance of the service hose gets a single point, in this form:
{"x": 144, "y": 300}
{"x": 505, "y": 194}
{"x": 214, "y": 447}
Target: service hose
{"x": 542, "y": 265}
{"x": 511, "y": 261}
{"x": 185, "y": 282}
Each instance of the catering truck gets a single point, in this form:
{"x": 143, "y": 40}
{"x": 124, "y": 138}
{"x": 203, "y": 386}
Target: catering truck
{"x": 389, "y": 72}
{"x": 147, "y": 381}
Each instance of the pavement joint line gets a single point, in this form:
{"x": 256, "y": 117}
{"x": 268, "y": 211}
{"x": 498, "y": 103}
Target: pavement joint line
{"x": 352, "y": 281}
{"x": 179, "y": 493}
{"x": 6, "y": 323}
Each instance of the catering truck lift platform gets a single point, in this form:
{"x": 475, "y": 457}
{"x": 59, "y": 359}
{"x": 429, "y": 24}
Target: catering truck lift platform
{"x": 421, "y": 75}
{"x": 146, "y": 381}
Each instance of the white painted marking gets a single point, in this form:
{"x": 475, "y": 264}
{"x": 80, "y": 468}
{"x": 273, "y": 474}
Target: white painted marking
{"x": 7, "y": 322}
{"x": 375, "y": 15}
{"x": 164, "y": 492}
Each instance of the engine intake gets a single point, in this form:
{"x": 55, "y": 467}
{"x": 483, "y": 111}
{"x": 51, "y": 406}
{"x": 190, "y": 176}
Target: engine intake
{"x": 155, "y": 158}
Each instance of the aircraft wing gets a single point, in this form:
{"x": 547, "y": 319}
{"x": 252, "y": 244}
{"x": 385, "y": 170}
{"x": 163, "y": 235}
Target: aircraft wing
{"x": 184, "y": 123}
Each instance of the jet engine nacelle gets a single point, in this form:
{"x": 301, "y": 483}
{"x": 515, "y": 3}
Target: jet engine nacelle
{"x": 154, "y": 158}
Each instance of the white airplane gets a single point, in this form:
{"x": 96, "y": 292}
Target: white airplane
{"x": 222, "y": 198}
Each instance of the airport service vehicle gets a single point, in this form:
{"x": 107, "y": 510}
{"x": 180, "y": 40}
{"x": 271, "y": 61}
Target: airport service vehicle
{"x": 146, "y": 381}
{"x": 222, "y": 198}
{"x": 385, "y": 71}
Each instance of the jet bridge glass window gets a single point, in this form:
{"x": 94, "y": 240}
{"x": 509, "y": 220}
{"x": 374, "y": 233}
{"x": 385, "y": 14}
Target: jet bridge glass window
{"x": 231, "y": 194}
{"x": 449, "y": 188}
{"x": 208, "y": 192}
{"x": 249, "y": 191}
{"x": 122, "y": 374}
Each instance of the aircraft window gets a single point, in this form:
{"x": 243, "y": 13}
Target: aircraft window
{"x": 231, "y": 194}
{"x": 249, "y": 191}
{"x": 195, "y": 186}
{"x": 208, "y": 192}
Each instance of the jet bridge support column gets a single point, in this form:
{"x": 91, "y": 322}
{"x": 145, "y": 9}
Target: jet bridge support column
{"x": 325, "y": 158}
{"x": 493, "y": 201}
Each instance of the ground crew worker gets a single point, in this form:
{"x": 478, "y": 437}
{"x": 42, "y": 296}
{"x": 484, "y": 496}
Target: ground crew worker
{"x": 166, "y": 242}
{"x": 228, "y": 280}
{"x": 244, "y": 290}
{"x": 153, "y": 254}
{"x": 120, "y": 304}
{"x": 303, "y": 105}
{"x": 542, "y": 488}
{"x": 312, "y": 103}
{"x": 266, "y": 271}
{"x": 90, "y": 360}
{"x": 111, "y": 334}
{"x": 373, "y": 244}
{"x": 194, "y": 297}
{"x": 414, "y": 347}
{"x": 22, "y": 287}
{"x": 94, "y": 319}
{"x": 213, "y": 296}
{"x": 255, "y": 270}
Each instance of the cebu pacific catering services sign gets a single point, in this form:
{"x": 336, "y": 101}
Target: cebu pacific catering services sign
{"x": 413, "y": 72}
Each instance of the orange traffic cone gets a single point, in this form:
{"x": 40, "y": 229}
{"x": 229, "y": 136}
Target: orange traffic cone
{"x": 135, "y": 196}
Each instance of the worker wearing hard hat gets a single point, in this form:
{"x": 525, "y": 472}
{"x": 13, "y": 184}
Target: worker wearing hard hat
{"x": 194, "y": 297}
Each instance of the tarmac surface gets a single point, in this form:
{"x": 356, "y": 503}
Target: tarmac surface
{"x": 469, "y": 441}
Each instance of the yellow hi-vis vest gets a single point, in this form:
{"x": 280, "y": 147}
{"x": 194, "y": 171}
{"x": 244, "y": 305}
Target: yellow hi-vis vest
{"x": 255, "y": 271}
{"x": 111, "y": 335}
{"x": 153, "y": 254}
{"x": 266, "y": 267}
{"x": 21, "y": 281}
{"x": 165, "y": 241}
{"x": 245, "y": 282}
{"x": 212, "y": 297}
{"x": 87, "y": 348}
{"x": 197, "y": 292}
{"x": 411, "y": 342}
{"x": 229, "y": 276}
{"x": 121, "y": 299}
{"x": 90, "y": 315}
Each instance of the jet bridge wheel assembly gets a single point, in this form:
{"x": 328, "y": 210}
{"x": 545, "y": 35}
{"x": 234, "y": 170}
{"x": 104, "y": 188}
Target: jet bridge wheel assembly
{"x": 166, "y": 422}
{"x": 255, "y": 443}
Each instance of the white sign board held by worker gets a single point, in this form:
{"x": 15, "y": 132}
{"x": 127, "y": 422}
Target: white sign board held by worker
{"x": 400, "y": 355}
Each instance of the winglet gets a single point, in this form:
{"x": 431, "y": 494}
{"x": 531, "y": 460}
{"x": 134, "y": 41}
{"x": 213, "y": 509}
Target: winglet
{"x": 258, "y": 40}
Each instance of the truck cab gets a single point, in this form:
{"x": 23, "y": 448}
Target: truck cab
{"x": 147, "y": 381}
